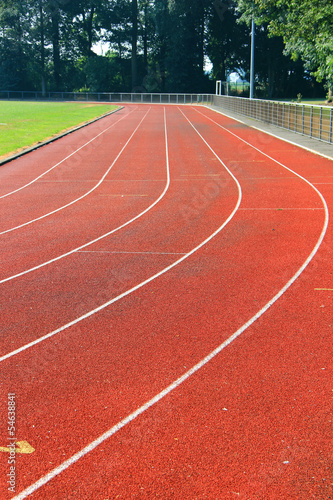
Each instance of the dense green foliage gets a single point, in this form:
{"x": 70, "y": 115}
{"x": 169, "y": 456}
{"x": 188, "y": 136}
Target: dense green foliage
{"x": 163, "y": 45}
{"x": 306, "y": 27}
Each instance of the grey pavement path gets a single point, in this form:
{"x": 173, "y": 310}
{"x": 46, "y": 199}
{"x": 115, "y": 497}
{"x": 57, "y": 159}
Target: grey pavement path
{"x": 320, "y": 147}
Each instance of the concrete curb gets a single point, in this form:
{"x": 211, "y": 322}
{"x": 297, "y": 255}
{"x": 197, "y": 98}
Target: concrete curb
{"x": 56, "y": 137}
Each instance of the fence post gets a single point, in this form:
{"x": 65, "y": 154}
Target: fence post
{"x": 320, "y": 122}
{"x": 303, "y": 111}
{"x": 289, "y": 116}
{"x": 277, "y": 114}
{"x": 331, "y": 121}
{"x": 311, "y": 119}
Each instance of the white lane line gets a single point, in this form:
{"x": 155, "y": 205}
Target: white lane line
{"x": 281, "y": 209}
{"x": 134, "y": 180}
{"x": 62, "y": 467}
{"x": 55, "y": 259}
{"x": 60, "y": 162}
{"x": 272, "y": 159}
{"x": 68, "y": 181}
{"x": 265, "y": 154}
{"x": 124, "y": 195}
{"x": 84, "y": 195}
{"x": 270, "y": 133}
{"x": 135, "y": 253}
{"x": 106, "y": 180}
{"x": 151, "y": 278}
{"x": 200, "y": 176}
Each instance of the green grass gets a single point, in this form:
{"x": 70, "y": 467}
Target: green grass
{"x": 318, "y": 101}
{"x": 23, "y": 124}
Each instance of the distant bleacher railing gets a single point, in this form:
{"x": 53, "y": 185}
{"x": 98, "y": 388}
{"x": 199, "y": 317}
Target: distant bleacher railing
{"x": 310, "y": 120}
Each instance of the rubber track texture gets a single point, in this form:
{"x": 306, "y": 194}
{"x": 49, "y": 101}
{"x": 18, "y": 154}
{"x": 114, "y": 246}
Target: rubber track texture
{"x": 254, "y": 422}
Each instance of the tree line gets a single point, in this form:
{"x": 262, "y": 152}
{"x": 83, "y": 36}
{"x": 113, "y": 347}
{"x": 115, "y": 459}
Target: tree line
{"x": 164, "y": 45}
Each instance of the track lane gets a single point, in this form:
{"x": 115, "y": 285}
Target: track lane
{"x": 194, "y": 287}
{"x": 254, "y": 423}
{"x": 123, "y": 270}
{"x": 16, "y": 176}
{"x": 77, "y": 275}
{"x": 247, "y": 438}
{"x": 35, "y": 195}
{"x": 116, "y": 203}
{"x": 282, "y": 151}
{"x": 22, "y": 372}
{"x": 71, "y": 180}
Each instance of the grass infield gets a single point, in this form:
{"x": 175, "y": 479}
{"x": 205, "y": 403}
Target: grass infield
{"x": 23, "y": 124}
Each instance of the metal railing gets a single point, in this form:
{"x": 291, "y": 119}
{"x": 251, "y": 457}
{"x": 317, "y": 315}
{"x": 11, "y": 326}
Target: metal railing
{"x": 165, "y": 98}
{"x": 310, "y": 120}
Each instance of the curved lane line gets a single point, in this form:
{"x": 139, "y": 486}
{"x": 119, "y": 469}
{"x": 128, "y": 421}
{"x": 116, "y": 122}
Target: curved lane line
{"x": 269, "y": 157}
{"x": 60, "y": 162}
{"x": 62, "y": 467}
{"x": 151, "y": 278}
{"x": 77, "y": 249}
{"x": 84, "y": 195}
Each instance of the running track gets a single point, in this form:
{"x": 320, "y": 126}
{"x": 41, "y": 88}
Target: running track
{"x": 166, "y": 312}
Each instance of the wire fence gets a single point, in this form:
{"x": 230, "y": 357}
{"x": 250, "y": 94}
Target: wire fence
{"x": 166, "y": 98}
{"x": 310, "y": 120}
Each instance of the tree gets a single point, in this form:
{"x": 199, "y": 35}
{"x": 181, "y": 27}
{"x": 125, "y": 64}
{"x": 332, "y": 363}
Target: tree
{"x": 278, "y": 75}
{"x": 185, "y": 45}
{"x": 17, "y": 56}
{"x": 162, "y": 23}
{"x": 306, "y": 28}
{"x": 227, "y": 41}
{"x": 134, "y": 43}
{"x": 53, "y": 10}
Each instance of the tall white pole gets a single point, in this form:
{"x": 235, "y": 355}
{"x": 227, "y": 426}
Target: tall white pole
{"x": 252, "y": 60}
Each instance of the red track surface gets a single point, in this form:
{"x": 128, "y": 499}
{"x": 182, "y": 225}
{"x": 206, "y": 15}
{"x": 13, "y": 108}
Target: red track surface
{"x": 203, "y": 228}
